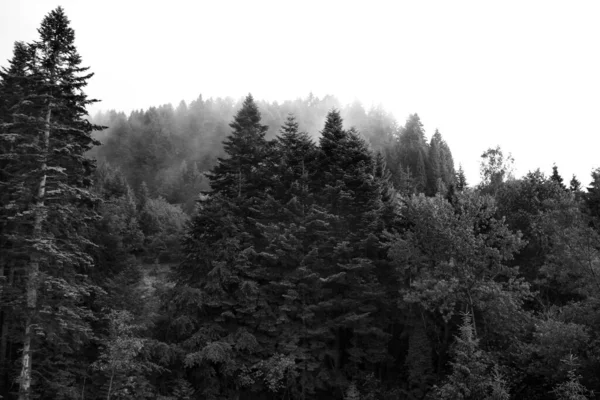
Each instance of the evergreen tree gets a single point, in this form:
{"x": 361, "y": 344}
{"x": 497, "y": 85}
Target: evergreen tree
{"x": 297, "y": 154}
{"x": 572, "y": 389}
{"x": 555, "y": 177}
{"x": 592, "y": 198}
{"x": 48, "y": 182}
{"x": 473, "y": 377}
{"x": 434, "y": 168}
{"x": 447, "y": 163}
{"x": 440, "y": 165}
{"x": 247, "y": 149}
{"x": 387, "y": 192}
{"x": 227, "y": 257}
{"x": 17, "y": 160}
{"x": 575, "y": 185}
{"x": 349, "y": 294}
{"x": 122, "y": 360}
{"x": 413, "y": 152}
{"x": 461, "y": 179}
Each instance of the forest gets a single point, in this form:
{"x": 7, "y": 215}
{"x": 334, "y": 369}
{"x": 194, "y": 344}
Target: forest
{"x": 241, "y": 249}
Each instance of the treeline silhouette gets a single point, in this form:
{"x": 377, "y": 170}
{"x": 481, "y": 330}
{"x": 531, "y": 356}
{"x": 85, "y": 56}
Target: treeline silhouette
{"x": 303, "y": 250}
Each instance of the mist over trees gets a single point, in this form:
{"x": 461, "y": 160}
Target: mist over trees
{"x": 170, "y": 148}
{"x": 304, "y": 250}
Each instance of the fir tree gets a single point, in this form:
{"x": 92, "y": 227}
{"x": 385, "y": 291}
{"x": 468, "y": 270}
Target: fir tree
{"x": 592, "y": 198}
{"x": 461, "y": 179}
{"x": 48, "y": 184}
{"x": 413, "y": 152}
{"x": 387, "y": 191}
{"x": 575, "y": 185}
{"x": 297, "y": 157}
{"x": 349, "y": 293}
{"x": 235, "y": 254}
{"x": 447, "y": 163}
{"x": 572, "y": 389}
{"x": 473, "y": 377}
{"x": 434, "y": 168}
{"x": 555, "y": 177}
{"x": 246, "y": 148}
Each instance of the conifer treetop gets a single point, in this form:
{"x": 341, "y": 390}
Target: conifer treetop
{"x": 248, "y": 117}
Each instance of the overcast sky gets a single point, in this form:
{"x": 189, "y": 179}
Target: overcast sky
{"x": 521, "y": 74}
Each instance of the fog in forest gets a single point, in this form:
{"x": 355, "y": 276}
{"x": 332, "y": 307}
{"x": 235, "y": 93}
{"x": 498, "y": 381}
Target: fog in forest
{"x": 327, "y": 201}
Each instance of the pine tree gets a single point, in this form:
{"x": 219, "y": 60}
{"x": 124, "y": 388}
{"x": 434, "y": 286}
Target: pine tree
{"x": 48, "y": 197}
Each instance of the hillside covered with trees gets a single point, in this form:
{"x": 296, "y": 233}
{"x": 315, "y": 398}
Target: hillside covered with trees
{"x": 305, "y": 250}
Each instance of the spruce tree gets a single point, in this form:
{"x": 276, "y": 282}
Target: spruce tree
{"x": 461, "y": 179}
{"x": 247, "y": 150}
{"x": 229, "y": 285}
{"x": 575, "y": 185}
{"x": 414, "y": 152}
{"x": 349, "y": 293}
{"x": 295, "y": 223}
{"x": 47, "y": 198}
{"x": 447, "y": 163}
{"x": 555, "y": 177}
{"x": 434, "y": 166}
{"x": 473, "y": 375}
{"x": 592, "y": 198}
{"x": 387, "y": 191}
{"x": 297, "y": 154}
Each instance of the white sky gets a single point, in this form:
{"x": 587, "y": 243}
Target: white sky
{"x": 521, "y": 74}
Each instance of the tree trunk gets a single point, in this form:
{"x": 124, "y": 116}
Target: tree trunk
{"x": 33, "y": 271}
{"x": 112, "y": 376}
{"x": 4, "y": 330}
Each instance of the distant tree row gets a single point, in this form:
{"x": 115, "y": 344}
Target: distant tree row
{"x": 168, "y": 149}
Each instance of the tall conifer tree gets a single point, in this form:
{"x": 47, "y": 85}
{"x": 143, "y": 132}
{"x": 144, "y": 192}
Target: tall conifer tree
{"x": 349, "y": 293}
{"x": 246, "y": 148}
{"x": 575, "y": 185}
{"x": 434, "y": 170}
{"x": 48, "y": 198}
{"x": 555, "y": 177}
{"x": 461, "y": 179}
{"x": 413, "y": 152}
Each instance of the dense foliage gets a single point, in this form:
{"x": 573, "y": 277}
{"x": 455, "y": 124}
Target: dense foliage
{"x": 252, "y": 250}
